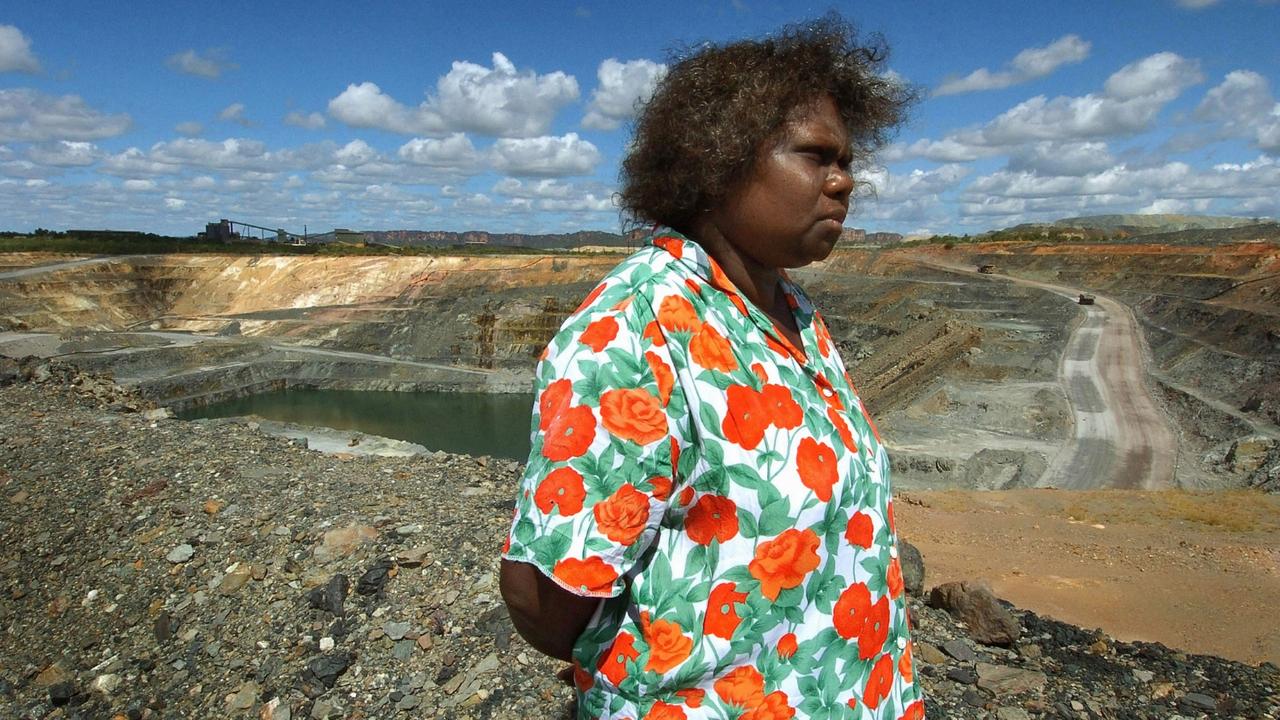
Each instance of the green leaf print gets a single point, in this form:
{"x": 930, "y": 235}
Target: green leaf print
{"x": 711, "y": 422}
{"x": 747, "y": 524}
{"x": 776, "y": 517}
{"x": 524, "y": 531}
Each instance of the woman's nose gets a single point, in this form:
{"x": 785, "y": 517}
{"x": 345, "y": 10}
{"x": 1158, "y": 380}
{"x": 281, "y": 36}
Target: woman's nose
{"x": 839, "y": 181}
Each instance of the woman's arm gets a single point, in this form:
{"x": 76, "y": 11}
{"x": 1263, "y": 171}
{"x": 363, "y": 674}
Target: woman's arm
{"x": 549, "y": 617}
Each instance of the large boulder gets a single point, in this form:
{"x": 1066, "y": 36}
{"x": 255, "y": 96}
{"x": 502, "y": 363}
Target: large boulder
{"x": 975, "y": 605}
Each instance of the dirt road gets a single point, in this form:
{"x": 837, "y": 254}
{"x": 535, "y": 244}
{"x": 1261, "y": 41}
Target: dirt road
{"x": 1122, "y": 439}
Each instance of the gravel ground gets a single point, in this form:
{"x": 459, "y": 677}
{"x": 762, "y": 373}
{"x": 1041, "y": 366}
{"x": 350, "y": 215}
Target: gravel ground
{"x": 156, "y": 568}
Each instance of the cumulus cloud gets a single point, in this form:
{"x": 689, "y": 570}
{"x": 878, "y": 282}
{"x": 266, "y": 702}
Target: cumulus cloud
{"x": 247, "y": 156}
{"x": 1054, "y": 158}
{"x": 500, "y": 101}
{"x": 139, "y": 185}
{"x": 15, "y": 51}
{"x": 546, "y": 188}
{"x": 1027, "y": 65}
{"x": 174, "y": 203}
{"x": 1196, "y": 4}
{"x": 309, "y": 121}
{"x": 1242, "y": 103}
{"x": 455, "y": 151}
{"x": 65, "y": 153}
{"x": 623, "y": 86}
{"x": 1130, "y": 101}
{"x": 543, "y": 156}
{"x": 188, "y": 128}
{"x": 29, "y": 115}
{"x": 210, "y": 65}
{"x": 235, "y": 113}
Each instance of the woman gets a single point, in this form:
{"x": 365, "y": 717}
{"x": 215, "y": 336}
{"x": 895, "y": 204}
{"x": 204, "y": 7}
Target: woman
{"x": 704, "y": 526}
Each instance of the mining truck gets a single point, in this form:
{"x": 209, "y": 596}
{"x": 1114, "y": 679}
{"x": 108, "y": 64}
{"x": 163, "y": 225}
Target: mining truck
{"x": 986, "y": 269}
{"x": 1086, "y": 299}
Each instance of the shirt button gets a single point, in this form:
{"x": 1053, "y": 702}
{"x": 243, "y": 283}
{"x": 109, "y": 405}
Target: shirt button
{"x": 902, "y": 643}
{"x": 893, "y": 551}
{"x": 827, "y": 392}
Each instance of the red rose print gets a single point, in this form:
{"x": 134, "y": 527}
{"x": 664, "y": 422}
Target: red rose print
{"x": 676, "y": 314}
{"x": 744, "y": 687}
{"x": 633, "y": 414}
{"x": 662, "y": 374}
{"x": 816, "y": 464}
{"x": 599, "y": 333}
{"x": 623, "y": 515}
{"x": 613, "y": 664}
{"x": 784, "y": 561}
{"x": 709, "y": 349}
{"x": 879, "y": 683}
{"x": 668, "y": 645}
{"x": 553, "y": 401}
{"x": 787, "y": 646}
{"x": 569, "y": 433}
{"x": 774, "y": 707}
{"x": 713, "y": 518}
{"x": 784, "y": 411}
{"x": 842, "y": 429}
{"x": 722, "y": 617}
{"x": 592, "y": 575}
{"x": 562, "y": 489}
{"x": 747, "y": 418}
{"x": 859, "y": 531}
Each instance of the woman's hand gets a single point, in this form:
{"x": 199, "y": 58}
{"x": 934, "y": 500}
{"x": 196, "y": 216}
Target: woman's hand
{"x": 546, "y": 615}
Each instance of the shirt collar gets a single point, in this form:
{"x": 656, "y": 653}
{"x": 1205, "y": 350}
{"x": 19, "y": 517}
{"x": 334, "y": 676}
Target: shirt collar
{"x": 692, "y": 255}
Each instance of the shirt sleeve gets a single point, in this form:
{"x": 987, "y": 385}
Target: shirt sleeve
{"x": 599, "y": 476}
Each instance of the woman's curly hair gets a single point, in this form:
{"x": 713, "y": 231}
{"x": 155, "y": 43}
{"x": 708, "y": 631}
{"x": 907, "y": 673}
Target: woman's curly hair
{"x": 719, "y": 105}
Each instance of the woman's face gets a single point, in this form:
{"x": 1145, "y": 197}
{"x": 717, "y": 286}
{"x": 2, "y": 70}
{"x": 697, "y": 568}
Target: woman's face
{"x": 790, "y": 211}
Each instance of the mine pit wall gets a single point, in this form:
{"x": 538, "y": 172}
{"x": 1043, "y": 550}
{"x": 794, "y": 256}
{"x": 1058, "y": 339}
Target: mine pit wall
{"x": 1210, "y": 317}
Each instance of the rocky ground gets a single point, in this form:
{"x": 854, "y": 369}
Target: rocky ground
{"x": 155, "y": 568}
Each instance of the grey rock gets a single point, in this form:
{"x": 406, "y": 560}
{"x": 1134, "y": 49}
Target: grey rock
{"x": 912, "y": 563}
{"x": 180, "y": 554}
{"x": 1011, "y": 713}
{"x": 1004, "y": 680}
{"x": 959, "y": 650}
{"x": 974, "y": 604}
{"x": 244, "y": 697}
{"x": 1198, "y": 701}
{"x": 962, "y": 675}
{"x": 395, "y": 630}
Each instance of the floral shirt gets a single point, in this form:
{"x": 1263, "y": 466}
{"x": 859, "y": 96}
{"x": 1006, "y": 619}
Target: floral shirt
{"x": 726, "y": 493}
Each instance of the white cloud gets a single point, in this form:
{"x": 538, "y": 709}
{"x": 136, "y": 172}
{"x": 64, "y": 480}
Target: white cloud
{"x": 190, "y": 62}
{"x": 1130, "y": 102}
{"x": 29, "y": 115}
{"x": 356, "y": 152}
{"x": 622, "y": 87}
{"x": 139, "y": 185}
{"x": 1027, "y": 65}
{"x": 499, "y": 101}
{"x": 65, "y": 153}
{"x": 188, "y": 128}
{"x": 546, "y": 188}
{"x": 310, "y": 121}
{"x": 455, "y": 151}
{"x": 1196, "y": 4}
{"x": 547, "y": 155}
{"x": 15, "y": 51}
{"x": 1053, "y": 158}
{"x": 1244, "y": 106}
{"x": 365, "y": 105}
{"x": 235, "y": 113}
{"x": 174, "y": 203}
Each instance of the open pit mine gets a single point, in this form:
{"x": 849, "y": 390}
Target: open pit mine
{"x": 1090, "y": 428}
{"x": 980, "y": 361}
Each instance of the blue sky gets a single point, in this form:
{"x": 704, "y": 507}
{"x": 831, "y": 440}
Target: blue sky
{"x": 513, "y": 116}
